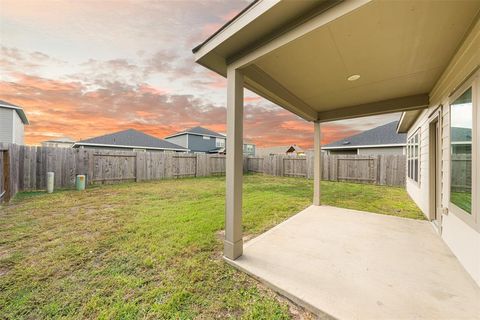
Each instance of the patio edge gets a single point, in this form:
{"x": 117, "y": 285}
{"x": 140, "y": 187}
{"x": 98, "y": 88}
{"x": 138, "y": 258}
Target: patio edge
{"x": 322, "y": 315}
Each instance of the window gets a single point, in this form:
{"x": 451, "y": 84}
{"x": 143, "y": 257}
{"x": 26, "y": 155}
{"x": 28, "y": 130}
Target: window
{"x": 413, "y": 156}
{"x": 220, "y": 143}
{"x": 206, "y": 138}
{"x": 461, "y": 121}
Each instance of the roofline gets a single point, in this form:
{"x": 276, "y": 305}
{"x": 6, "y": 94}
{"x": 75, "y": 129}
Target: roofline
{"x": 390, "y": 145}
{"x": 125, "y": 146}
{"x": 193, "y": 133}
{"x": 58, "y": 141}
{"x": 410, "y": 116}
{"x": 19, "y": 111}
{"x": 229, "y": 22}
{"x": 397, "y": 129}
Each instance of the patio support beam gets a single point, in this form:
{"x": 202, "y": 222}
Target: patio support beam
{"x": 415, "y": 102}
{"x": 233, "y": 244}
{"x": 257, "y": 77}
{"x": 317, "y": 163}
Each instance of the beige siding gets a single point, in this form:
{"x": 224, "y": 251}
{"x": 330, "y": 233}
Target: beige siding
{"x": 419, "y": 192}
{"x": 462, "y": 238}
{"x": 6, "y": 125}
{"x": 18, "y": 127}
{"x": 381, "y": 151}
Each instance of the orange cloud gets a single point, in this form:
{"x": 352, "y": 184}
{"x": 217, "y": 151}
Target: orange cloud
{"x": 58, "y": 108}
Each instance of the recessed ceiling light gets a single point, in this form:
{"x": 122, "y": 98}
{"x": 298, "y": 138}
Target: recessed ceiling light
{"x": 353, "y": 77}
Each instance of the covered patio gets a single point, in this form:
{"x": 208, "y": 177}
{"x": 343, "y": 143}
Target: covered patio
{"x": 332, "y": 60}
{"x": 349, "y": 264}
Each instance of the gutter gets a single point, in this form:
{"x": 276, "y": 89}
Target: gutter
{"x": 366, "y": 146}
{"x": 126, "y": 147}
{"x": 195, "y": 50}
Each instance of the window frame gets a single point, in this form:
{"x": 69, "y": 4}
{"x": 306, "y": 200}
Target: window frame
{"x": 222, "y": 145}
{"x": 471, "y": 219}
{"x": 413, "y": 153}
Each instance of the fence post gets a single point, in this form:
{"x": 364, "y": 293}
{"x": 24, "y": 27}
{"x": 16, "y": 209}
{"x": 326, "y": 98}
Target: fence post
{"x": 137, "y": 165}
{"x": 6, "y": 176}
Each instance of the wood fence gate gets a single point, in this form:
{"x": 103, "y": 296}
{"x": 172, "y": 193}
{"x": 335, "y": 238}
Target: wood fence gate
{"x": 110, "y": 167}
{"x": 357, "y": 169}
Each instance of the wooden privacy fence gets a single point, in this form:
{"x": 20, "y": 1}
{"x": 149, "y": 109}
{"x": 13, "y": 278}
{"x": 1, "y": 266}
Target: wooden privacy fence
{"x": 24, "y": 168}
{"x": 381, "y": 169}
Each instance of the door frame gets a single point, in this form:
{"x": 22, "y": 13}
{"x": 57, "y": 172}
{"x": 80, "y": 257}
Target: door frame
{"x": 435, "y": 167}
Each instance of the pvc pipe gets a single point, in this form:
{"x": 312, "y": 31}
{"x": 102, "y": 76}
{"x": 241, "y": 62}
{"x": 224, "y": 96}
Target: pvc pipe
{"x": 50, "y": 181}
{"x": 80, "y": 182}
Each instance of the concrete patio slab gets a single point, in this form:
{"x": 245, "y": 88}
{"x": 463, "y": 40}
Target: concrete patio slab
{"x": 349, "y": 264}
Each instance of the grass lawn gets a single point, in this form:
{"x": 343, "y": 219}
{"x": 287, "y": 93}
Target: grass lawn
{"x": 152, "y": 250}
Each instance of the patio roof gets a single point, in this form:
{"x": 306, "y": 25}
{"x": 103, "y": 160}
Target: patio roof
{"x": 299, "y": 55}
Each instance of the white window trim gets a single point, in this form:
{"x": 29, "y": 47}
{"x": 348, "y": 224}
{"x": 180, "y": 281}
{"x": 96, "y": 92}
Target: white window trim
{"x": 221, "y": 145}
{"x": 417, "y": 157}
{"x": 473, "y": 218}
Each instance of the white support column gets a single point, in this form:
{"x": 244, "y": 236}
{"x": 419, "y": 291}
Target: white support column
{"x": 233, "y": 244}
{"x": 317, "y": 163}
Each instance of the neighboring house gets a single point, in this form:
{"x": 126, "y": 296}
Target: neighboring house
{"x": 64, "y": 142}
{"x": 12, "y": 123}
{"x": 203, "y": 140}
{"x": 290, "y": 150}
{"x": 131, "y": 140}
{"x": 382, "y": 140}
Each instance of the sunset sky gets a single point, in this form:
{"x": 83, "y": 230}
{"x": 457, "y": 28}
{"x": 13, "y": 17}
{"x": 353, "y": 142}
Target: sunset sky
{"x": 86, "y": 68}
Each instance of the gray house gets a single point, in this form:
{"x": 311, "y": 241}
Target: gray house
{"x": 12, "y": 122}
{"x": 130, "y": 140}
{"x": 203, "y": 140}
{"x": 382, "y": 140}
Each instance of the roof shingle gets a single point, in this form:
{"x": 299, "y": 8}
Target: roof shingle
{"x": 201, "y": 131}
{"x": 131, "y": 138}
{"x": 382, "y": 135}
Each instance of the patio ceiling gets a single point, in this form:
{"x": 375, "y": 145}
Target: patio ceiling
{"x": 399, "y": 48}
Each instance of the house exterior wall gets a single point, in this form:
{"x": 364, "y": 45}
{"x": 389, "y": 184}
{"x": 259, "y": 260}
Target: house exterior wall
{"x": 181, "y": 140}
{"x": 200, "y": 143}
{"x": 382, "y": 151}
{"x": 460, "y": 234}
{"x": 18, "y": 129}
{"x": 342, "y": 151}
{"x": 6, "y": 125}
{"x": 368, "y": 151}
{"x": 57, "y": 144}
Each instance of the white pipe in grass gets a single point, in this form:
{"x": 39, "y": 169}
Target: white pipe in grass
{"x": 50, "y": 181}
